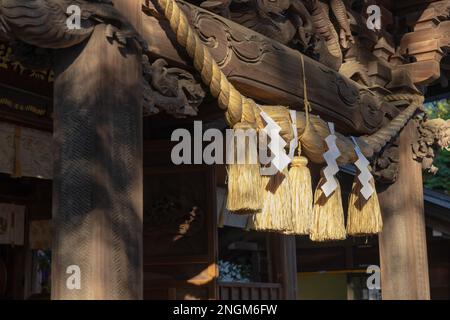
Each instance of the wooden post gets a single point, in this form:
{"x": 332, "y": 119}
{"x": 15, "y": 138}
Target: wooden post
{"x": 403, "y": 248}
{"x": 284, "y": 263}
{"x": 97, "y": 196}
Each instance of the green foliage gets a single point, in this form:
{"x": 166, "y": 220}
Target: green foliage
{"x": 438, "y": 109}
{"x": 440, "y": 181}
{"x": 233, "y": 272}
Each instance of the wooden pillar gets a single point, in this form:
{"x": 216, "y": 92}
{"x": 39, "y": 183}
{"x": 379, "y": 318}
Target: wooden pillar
{"x": 97, "y": 196}
{"x": 403, "y": 248}
{"x": 284, "y": 263}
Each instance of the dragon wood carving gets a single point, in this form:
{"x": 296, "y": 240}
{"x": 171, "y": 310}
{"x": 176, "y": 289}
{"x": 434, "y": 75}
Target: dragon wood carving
{"x": 433, "y": 134}
{"x": 281, "y": 20}
{"x": 172, "y": 90}
{"x": 291, "y": 22}
{"x": 43, "y": 22}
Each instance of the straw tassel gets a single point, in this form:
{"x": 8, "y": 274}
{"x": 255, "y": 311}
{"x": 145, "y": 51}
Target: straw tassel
{"x": 328, "y": 215}
{"x": 364, "y": 216}
{"x": 299, "y": 174}
{"x": 244, "y": 179}
{"x": 301, "y": 196}
{"x": 276, "y": 214}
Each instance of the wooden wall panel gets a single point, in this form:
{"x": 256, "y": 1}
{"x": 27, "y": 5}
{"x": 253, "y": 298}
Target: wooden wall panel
{"x": 180, "y": 232}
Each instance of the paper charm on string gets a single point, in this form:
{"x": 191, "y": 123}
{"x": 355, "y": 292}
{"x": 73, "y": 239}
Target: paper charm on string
{"x": 365, "y": 176}
{"x": 330, "y": 157}
{"x": 293, "y": 145}
{"x": 277, "y": 144}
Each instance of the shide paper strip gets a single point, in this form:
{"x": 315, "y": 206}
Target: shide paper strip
{"x": 277, "y": 144}
{"x": 330, "y": 157}
{"x": 293, "y": 145}
{"x": 365, "y": 176}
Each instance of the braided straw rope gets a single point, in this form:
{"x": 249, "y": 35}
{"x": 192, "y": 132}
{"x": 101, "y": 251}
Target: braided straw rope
{"x": 238, "y": 108}
{"x": 411, "y": 98}
{"x": 242, "y": 109}
{"x": 383, "y": 136}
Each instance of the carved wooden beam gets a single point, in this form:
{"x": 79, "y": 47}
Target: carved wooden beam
{"x": 268, "y": 71}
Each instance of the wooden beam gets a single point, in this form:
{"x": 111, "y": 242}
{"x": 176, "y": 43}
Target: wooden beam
{"x": 97, "y": 197}
{"x": 403, "y": 249}
{"x": 266, "y": 70}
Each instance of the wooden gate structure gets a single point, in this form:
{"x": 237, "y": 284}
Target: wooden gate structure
{"x": 130, "y": 60}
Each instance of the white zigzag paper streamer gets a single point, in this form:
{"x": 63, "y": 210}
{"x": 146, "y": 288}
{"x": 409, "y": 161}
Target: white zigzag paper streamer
{"x": 277, "y": 144}
{"x": 365, "y": 176}
{"x": 293, "y": 145}
{"x": 330, "y": 157}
